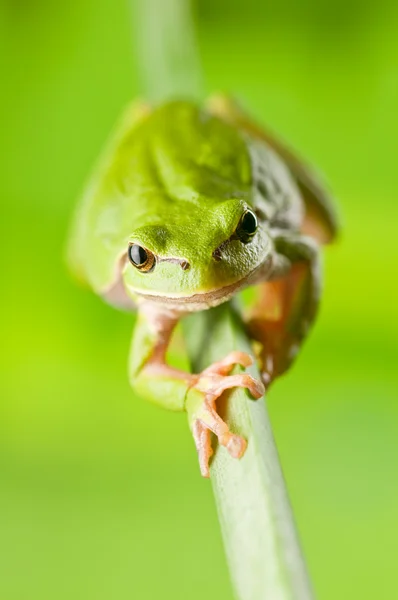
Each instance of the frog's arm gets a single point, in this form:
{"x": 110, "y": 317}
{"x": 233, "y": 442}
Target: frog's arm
{"x": 320, "y": 220}
{"x": 177, "y": 390}
{"x": 287, "y": 305}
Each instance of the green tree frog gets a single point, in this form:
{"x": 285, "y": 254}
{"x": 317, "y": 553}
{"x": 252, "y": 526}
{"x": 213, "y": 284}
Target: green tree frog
{"x": 189, "y": 205}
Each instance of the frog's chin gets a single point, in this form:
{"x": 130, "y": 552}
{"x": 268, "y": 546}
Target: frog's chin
{"x": 207, "y": 299}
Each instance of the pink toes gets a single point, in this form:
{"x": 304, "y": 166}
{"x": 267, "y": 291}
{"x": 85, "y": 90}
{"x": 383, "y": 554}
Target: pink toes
{"x": 212, "y": 382}
{"x": 236, "y": 446}
{"x": 243, "y": 380}
{"x": 201, "y": 435}
{"x": 224, "y": 366}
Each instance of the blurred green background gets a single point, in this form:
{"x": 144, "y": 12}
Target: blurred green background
{"x": 100, "y": 493}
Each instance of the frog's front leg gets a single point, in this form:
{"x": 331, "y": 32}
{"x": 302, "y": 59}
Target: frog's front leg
{"x": 177, "y": 390}
{"x": 287, "y": 304}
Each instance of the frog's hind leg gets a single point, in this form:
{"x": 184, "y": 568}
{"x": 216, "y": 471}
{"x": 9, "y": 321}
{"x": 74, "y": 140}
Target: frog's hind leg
{"x": 320, "y": 219}
{"x": 286, "y": 307}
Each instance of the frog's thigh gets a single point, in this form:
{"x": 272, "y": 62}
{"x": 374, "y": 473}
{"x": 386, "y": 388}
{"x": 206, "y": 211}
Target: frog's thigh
{"x": 286, "y": 307}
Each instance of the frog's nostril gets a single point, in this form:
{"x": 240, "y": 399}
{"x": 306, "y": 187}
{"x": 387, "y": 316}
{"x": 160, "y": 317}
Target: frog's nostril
{"x": 217, "y": 255}
{"x": 184, "y": 264}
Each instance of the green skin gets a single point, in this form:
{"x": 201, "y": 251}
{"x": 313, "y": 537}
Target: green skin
{"x": 177, "y": 182}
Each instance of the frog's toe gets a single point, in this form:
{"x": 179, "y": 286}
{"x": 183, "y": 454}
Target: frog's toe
{"x": 201, "y": 435}
{"x": 266, "y": 378}
{"x": 215, "y": 385}
{"x": 225, "y": 366}
{"x": 236, "y": 446}
{"x": 203, "y": 415}
{"x": 267, "y": 370}
{"x": 209, "y": 421}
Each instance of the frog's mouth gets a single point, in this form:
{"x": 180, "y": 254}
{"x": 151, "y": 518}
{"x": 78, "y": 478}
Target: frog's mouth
{"x": 199, "y": 300}
{"x": 211, "y": 298}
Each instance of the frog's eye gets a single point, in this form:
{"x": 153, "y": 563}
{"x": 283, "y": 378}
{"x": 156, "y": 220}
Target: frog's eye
{"x": 141, "y": 258}
{"x": 247, "y": 226}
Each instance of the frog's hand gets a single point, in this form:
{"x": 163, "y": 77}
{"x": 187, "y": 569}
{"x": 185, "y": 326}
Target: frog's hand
{"x": 76, "y": 257}
{"x": 176, "y": 390}
{"x": 320, "y": 221}
{"x": 287, "y": 305}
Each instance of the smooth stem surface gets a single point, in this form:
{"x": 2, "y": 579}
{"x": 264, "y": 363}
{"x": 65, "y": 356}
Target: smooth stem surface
{"x": 167, "y": 49}
{"x": 259, "y": 535}
{"x": 257, "y": 525}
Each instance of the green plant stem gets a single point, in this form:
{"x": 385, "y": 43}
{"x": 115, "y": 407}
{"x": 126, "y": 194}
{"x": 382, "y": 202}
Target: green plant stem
{"x": 167, "y": 49}
{"x": 258, "y": 530}
{"x": 259, "y": 534}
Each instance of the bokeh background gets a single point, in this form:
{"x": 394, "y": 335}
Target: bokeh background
{"x": 100, "y": 494}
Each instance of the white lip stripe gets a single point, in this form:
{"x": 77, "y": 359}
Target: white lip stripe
{"x": 212, "y": 296}
{"x": 200, "y": 297}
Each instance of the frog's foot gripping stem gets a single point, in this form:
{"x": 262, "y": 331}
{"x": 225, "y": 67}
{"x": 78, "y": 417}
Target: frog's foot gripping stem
{"x": 177, "y": 390}
{"x": 201, "y": 406}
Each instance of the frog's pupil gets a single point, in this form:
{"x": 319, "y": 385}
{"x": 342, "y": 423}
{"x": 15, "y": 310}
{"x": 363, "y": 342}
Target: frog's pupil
{"x": 247, "y": 227}
{"x": 138, "y": 255}
{"x": 249, "y": 223}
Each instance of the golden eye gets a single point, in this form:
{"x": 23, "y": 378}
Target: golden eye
{"x": 247, "y": 227}
{"x": 141, "y": 258}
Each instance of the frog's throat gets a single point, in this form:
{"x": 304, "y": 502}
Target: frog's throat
{"x": 209, "y": 299}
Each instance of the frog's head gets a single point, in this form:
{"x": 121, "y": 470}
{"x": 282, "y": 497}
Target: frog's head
{"x": 195, "y": 238}
{"x": 197, "y": 259}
